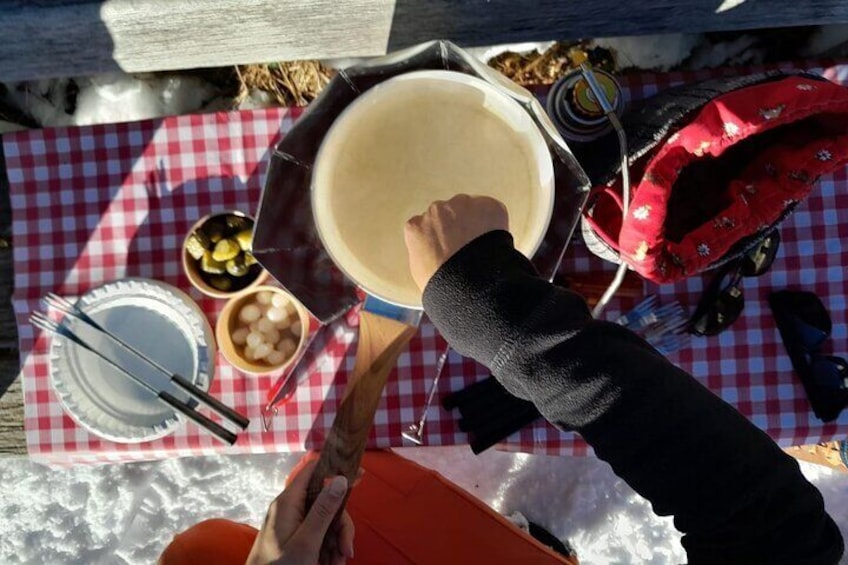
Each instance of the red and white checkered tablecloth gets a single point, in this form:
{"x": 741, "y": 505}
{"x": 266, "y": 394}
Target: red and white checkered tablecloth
{"x": 94, "y": 204}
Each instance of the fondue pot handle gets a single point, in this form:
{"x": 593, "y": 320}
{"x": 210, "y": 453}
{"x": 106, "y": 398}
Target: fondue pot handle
{"x": 381, "y": 341}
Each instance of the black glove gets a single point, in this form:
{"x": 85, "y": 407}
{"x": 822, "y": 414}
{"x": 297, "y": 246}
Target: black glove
{"x": 489, "y": 414}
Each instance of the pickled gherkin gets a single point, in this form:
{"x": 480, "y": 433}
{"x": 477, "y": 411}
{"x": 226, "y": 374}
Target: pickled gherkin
{"x": 194, "y": 247}
{"x": 214, "y": 231}
{"x": 221, "y": 247}
{"x": 221, "y": 282}
{"x": 203, "y": 239}
{"x": 238, "y": 223}
{"x": 237, "y": 267}
{"x": 208, "y": 264}
{"x": 226, "y": 249}
{"x": 245, "y": 239}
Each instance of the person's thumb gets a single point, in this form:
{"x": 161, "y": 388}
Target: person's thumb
{"x": 323, "y": 511}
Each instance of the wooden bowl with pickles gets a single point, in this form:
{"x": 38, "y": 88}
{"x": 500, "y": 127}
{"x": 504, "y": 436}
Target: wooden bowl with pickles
{"x": 217, "y": 255}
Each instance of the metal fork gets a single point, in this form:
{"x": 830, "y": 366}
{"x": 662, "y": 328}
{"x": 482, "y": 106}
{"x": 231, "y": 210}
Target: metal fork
{"x": 70, "y": 309}
{"x": 415, "y": 432}
{"x": 42, "y": 321}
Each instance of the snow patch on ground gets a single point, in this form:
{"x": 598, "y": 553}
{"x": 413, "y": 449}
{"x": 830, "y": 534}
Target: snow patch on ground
{"x": 486, "y": 53}
{"x": 110, "y": 98}
{"x": 127, "y": 514}
{"x": 739, "y": 51}
{"x": 655, "y": 52}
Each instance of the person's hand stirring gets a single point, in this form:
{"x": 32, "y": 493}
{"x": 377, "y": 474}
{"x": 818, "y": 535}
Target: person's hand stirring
{"x": 445, "y": 228}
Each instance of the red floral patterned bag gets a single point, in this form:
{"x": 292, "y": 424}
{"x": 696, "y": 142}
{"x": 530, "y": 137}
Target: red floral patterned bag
{"x": 712, "y": 177}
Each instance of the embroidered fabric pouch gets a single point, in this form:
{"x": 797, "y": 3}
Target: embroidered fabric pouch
{"x": 714, "y": 167}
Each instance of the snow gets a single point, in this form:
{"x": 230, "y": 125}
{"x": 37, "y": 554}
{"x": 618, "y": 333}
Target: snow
{"x": 258, "y": 99}
{"x": 741, "y": 50}
{"x": 111, "y": 98}
{"x": 658, "y": 52}
{"x": 6, "y": 127}
{"x": 127, "y": 514}
{"x": 485, "y": 53}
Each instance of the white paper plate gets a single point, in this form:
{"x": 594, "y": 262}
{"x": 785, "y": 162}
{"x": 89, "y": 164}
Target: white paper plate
{"x": 155, "y": 318}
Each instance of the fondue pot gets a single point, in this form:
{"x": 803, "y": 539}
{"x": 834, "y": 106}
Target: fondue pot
{"x": 364, "y": 234}
{"x": 298, "y": 239}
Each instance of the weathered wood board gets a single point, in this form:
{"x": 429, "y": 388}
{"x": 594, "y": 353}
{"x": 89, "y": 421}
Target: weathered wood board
{"x": 12, "y": 439}
{"x": 53, "y": 38}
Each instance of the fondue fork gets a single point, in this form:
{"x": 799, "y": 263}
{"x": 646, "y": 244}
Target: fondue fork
{"x": 43, "y": 322}
{"x": 415, "y": 432}
{"x": 70, "y": 309}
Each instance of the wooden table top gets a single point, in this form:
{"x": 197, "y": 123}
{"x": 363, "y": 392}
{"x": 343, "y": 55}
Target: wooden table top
{"x": 12, "y": 440}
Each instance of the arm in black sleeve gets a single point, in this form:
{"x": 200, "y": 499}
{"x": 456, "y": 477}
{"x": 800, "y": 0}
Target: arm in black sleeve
{"x": 735, "y": 495}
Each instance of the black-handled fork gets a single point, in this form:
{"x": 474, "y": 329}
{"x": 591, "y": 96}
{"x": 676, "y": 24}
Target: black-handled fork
{"x": 70, "y": 309}
{"x": 40, "y": 320}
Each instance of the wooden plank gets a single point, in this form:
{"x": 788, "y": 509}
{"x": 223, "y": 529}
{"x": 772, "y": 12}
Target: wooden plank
{"x": 73, "y": 38}
{"x": 79, "y": 37}
{"x": 489, "y": 22}
{"x": 12, "y": 439}
{"x": 8, "y": 325}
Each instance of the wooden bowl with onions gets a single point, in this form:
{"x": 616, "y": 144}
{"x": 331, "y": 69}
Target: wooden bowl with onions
{"x": 261, "y": 330}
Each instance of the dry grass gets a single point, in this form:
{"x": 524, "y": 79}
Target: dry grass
{"x": 295, "y": 83}
{"x": 826, "y": 454}
{"x": 534, "y": 68}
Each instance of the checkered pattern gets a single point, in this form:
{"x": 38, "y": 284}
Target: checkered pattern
{"x": 98, "y": 203}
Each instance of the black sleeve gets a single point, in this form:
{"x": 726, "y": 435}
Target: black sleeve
{"x": 734, "y": 494}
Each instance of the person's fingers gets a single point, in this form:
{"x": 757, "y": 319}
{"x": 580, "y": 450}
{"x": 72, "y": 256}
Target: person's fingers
{"x": 329, "y": 551}
{"x": 447, "y": 211}
{"x": 292, "y": 501}
{"x": 415, "y": 220}
{"x": 410, "y": 230}
{"x": 331, "y": 558}
{"x": 299, "y": 478}
{"x": 332, "y": 552}
{"x": 308, "y": 457}
{"x": 319, "y": 518}
{"x": 436, "y": 204}
{"x": 345, "y": 534}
